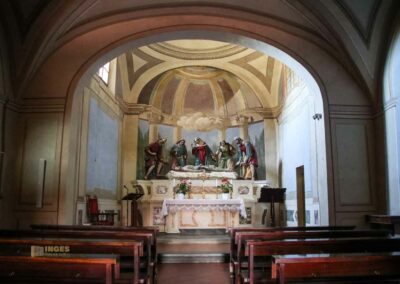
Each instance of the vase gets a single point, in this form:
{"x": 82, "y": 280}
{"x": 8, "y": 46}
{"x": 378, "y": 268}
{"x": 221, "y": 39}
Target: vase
{"x": 224, "y": 196}
{"x": 180, "y": 196}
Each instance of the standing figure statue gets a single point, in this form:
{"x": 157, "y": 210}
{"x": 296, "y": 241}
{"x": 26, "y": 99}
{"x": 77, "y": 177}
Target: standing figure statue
{"x": 153, "y": 157}
{"x": 202, "y": 152}
{"x": 178, "y": 154}
{"x": 246, "y": 159}
{"x": 224, "y": 154}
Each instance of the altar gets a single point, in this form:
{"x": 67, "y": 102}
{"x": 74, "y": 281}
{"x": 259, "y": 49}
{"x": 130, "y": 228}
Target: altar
{"x": 204, "y": 206}
{"x": 203, "y": 213}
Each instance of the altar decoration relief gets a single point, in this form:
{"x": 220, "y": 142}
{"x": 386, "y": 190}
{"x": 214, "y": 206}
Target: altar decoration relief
{"x": 158, "y": 217}
{"x": 243, "y": 190}
{"x": 161, "y": 189}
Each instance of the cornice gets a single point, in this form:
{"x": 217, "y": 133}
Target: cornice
{"x": 133, "y": 108}
{"x": 189, "y": 54}
{"x": 351, "y": 112}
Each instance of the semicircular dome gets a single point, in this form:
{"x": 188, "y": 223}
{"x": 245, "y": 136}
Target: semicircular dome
{"x": 192, "y": 89}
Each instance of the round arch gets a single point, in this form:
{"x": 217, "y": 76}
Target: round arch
{"x": 105, "y": 42}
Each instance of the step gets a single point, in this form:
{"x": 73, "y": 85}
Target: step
{"x": 193, "y": 257}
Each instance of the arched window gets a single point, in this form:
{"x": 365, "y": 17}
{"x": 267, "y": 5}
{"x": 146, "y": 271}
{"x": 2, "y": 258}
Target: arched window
{"x": 104, "y": 72}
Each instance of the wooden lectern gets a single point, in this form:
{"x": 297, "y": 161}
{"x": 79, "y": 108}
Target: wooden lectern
{"x": 272, "y": 195}
{"x": 135, "y": 214}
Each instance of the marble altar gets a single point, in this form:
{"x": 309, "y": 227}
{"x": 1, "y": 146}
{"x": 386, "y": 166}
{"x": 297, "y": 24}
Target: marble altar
{"x": 204, "y": 187}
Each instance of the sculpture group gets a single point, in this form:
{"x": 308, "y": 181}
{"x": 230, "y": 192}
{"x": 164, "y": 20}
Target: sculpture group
{"x": 240, "y": 156}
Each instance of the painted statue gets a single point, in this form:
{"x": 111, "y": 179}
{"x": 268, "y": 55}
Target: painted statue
{"x": 153, "y": 158}
{"x": 202, "y": 152}
{"x": 246, "y": 159}
{"x": 178, "y": 154}
{"x": 224, "y": 155}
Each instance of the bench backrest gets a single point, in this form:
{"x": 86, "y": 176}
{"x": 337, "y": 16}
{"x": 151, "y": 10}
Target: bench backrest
{"x": 242, "y": 237}
{"x": 23, "y": 245}
{"x": 307, "y": 246}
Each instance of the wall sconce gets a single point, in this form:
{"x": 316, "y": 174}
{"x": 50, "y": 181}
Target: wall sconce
{"x": 317, "y": 116}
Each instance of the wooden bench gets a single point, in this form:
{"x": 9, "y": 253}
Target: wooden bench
{"x": 144, "y": 262}
{"x": 149, "y": 229}
{"x": 91, "y": 227}
{"x": 65, "y": 269}
{"x": 23, "y": 246}
{"x": 348, "y": 266}
{"x": 307, "y": 246}
{"x": 233, "y": 230}
{"x": 237, "y": 256}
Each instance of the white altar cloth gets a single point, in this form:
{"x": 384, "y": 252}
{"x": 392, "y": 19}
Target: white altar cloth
{"x": 175, "y": 205}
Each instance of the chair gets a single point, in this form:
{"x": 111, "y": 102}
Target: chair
{"x": 95, "y": 216}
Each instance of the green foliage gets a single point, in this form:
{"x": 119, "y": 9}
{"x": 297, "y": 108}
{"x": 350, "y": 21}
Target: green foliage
{"x": 225, "y": 186}
{"x": 183, "y": 186}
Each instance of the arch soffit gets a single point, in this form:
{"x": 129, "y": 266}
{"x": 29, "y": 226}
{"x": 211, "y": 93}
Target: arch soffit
{"x": 105, "y": 43}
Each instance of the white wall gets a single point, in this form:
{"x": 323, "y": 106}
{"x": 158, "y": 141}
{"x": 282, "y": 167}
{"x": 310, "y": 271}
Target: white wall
{"x": 301, "y": 142}
{"x": 392, "y": 120}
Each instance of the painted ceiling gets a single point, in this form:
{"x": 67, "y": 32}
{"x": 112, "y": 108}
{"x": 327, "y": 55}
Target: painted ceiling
{"x": 187, "y": 76}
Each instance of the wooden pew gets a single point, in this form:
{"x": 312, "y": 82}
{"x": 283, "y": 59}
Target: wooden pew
{"x": 238, "y": 262}
{"x": 66, "y": 269}
{"x": 149, "y": 229}
{"x": 22, "y": 247}
{"x": 46, "y": 227}
{"x": 146, "y": 239}
{"x": 354, "y": 267}
{"x": 308, "y": 246}
{"x": 233, "y": 230}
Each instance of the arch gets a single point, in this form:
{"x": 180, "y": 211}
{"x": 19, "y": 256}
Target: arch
{"x": 300, "y": 54}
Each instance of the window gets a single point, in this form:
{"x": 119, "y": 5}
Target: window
{"x": 104, "y": 72}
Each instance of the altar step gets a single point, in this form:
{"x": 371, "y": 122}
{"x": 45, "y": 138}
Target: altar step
{"x": 193, "y": 257}
{"x": 163, "y": 238}
{"x": 194, "y": 250}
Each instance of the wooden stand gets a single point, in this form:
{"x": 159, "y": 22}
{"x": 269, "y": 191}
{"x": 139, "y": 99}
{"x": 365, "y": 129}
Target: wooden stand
{"x": 135, "y": 214}
{"x": 272, "y": 195}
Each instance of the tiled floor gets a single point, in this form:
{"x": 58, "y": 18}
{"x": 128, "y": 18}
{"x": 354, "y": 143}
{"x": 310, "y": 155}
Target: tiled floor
{"x": 193, "y": 273}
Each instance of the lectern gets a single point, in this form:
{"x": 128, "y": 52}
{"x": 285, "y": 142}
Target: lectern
{"x": 133, "y": 198}
{"x": 272, "y": 195}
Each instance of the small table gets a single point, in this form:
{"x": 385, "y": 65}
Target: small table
{"x": 202, "y": 213}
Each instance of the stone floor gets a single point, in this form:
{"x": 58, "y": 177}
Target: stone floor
{"x": 193, "y": 258}
{"x": 193, "y": 273}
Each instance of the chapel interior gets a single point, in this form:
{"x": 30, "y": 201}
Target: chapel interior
{"x": 87, "y": 87}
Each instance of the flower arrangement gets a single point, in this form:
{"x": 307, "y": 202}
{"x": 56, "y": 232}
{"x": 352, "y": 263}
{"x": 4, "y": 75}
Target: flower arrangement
{"x": 225, "y": 186}
{"x": 183, "y": 186}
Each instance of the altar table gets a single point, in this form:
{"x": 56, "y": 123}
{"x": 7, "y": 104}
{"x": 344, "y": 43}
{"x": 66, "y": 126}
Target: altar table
{"x": 202, "y": 213}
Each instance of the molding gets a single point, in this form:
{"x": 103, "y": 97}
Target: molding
{"x": 351, "y": 112}
{"x": 197, "y": 54}
{"x": 133, "y": 108}
{"x": 35, "y": 108}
